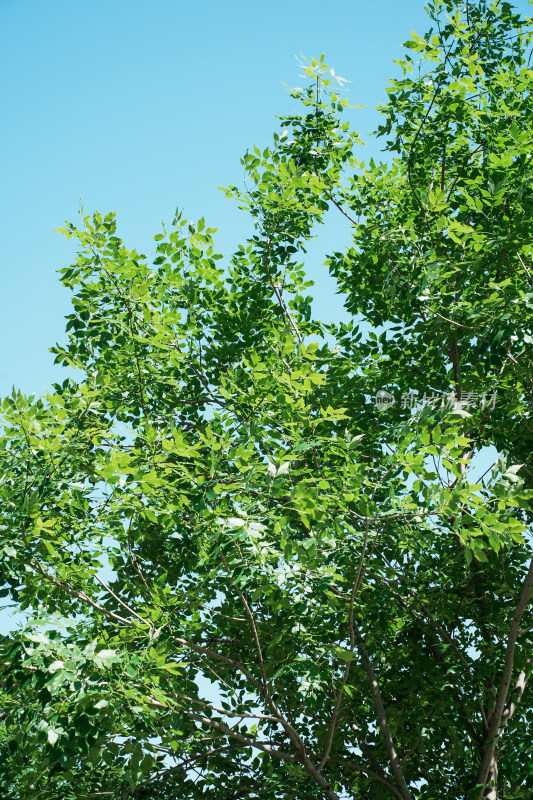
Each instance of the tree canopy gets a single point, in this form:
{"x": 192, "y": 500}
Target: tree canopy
{"x": 256, "y": 551}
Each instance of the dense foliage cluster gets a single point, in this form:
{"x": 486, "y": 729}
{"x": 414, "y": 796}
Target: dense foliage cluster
{"x": 244, "y": 577}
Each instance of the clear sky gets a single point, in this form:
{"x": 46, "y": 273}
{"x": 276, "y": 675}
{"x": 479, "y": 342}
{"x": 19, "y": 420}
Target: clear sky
{"x": 139, "y": 107}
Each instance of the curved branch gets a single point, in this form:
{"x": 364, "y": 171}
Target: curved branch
{"x": 499, "y": 717}
{"x": 382, "y": 720}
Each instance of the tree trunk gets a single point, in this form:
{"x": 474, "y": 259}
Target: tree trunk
{"x": 491, "y": 789}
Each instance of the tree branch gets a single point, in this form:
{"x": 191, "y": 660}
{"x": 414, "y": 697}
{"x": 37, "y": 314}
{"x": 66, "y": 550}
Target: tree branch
{"x": 382, "y": 719}
{"x": 499, "y": 714}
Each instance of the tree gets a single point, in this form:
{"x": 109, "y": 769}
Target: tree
{"x": 245, "y": 577}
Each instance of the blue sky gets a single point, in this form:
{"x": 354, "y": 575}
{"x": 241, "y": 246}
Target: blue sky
{"x": 140, "y": 107}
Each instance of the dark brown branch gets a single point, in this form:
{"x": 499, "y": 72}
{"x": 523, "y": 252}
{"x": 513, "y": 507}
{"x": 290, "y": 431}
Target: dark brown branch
{"x": 498, "y": 715}
{"x": 463, "y": 165}
{"x": 340, "y": 208}
{"x": 353, "y": 594}
{"x": 76, "y": 593}
{"x": 382, "y": 719}
{"x": 410, "y": 159}
{"x": 290, "y": 731}
{"x": 371, "y": 774}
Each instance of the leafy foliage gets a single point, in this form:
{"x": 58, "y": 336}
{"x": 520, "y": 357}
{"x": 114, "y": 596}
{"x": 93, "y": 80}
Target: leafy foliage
{"x": 245, "y": 578}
